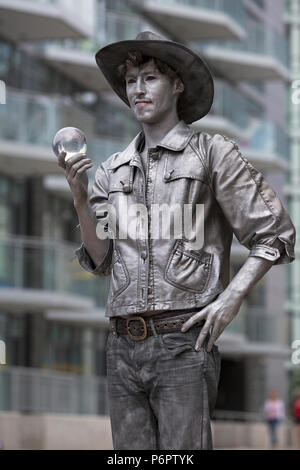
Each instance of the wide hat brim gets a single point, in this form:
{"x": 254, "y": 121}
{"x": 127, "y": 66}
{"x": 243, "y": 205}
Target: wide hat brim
{"x": 197, "y": 98}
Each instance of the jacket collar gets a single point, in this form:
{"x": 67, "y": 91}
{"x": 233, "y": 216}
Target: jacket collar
{"x": 176, "y": 140}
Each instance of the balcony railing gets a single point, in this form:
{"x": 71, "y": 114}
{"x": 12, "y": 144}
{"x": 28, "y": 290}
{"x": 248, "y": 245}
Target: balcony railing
{"x": 111, "y": 27}
{"x": 260, "y": 39}
{"x": 34, "y": 263}
{"x": 261, "y": 135}
{"x": 119, "y": 27}
{"x": 44, "y": 116}
{"x": 44, "y": 391}
{"x": 230, "y": 104}
{"x": 267, "y": 136}
{"x": 44, "y": 1}
{"x": 233, "y": 8}
{"x": 260, "y": 328}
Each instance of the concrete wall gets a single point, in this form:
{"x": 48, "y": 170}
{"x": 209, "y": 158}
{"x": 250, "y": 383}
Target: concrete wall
{"x": 55, "y": 432}
{"x": 82, "y": 432}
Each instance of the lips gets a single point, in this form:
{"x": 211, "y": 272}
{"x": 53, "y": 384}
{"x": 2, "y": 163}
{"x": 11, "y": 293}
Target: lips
{"x": 142, "y": 102}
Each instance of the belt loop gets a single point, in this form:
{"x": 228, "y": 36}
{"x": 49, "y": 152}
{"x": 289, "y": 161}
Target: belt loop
{"x": 114, "y": 326}
{"x": 153, "y": 327}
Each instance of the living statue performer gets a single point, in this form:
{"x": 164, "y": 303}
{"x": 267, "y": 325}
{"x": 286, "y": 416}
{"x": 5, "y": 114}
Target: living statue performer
{"x": 170, "y": 294}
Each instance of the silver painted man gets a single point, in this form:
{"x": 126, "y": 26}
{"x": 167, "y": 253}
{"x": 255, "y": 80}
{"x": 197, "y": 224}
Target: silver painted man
{"x": 169, "y": 299}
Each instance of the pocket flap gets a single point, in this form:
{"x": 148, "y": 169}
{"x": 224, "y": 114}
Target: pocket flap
{"x": 184, "y": 165}
{"x": 121, "y": 179}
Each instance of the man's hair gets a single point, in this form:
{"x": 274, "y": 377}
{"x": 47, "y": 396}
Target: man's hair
{"x": 136, "y": 59}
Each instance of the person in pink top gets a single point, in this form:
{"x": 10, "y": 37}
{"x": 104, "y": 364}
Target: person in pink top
{"x": 274, "y": 412}
{"x": 296, "y": 414}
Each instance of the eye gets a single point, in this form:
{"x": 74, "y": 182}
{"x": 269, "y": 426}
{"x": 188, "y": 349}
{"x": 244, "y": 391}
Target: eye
{"x": 150, "y": 77}
{"x": 130, "y": 80}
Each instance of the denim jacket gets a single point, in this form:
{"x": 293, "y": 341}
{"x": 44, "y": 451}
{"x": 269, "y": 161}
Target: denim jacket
{"x": 192, "y": 169}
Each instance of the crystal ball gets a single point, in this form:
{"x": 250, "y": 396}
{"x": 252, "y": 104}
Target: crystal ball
{"x": 70, "y": 140}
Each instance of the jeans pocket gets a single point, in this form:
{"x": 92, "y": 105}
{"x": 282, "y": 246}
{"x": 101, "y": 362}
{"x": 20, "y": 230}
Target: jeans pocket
{"x": 177, "y": 342}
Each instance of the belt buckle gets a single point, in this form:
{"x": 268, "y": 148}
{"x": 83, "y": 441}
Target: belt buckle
{"x": 136, "y": 338}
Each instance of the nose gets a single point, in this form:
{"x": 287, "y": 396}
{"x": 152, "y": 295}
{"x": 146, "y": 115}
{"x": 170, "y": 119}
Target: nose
{"x": 139, "y": 86}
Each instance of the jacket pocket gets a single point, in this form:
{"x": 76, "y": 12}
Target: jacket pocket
{"x": 188, "y": 269}
{"x": 121, "y": 179}
{"x": 119, "y": 275}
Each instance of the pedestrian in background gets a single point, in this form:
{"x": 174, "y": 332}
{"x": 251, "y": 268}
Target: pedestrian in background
{"x": 296, "y": 415}
{"x": 274, "y": 413}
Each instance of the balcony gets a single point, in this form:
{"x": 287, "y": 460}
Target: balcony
{"x": 262, "y": 55}
{"x": 263, "y": 142}
{"x": 188, "y": 20}
{"x": 228, "y": 114}
{"x": 253, "y": 333}
{"x": 77, "y": 58}
{"x": 40, "y": 274}
{"x": 37, "y": 20}
{"x": 78, "y": 62}
{"x": 266, "y": 145}
{"x": 27, "y": 149}
{"x": 26, "y": 389}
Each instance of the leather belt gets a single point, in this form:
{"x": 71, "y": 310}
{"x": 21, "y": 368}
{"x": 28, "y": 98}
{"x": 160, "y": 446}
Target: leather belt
{"x": 139, "y": 328}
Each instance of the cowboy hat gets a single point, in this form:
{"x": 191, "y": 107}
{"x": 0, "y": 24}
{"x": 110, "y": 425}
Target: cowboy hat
{"x": 197, "y": 98}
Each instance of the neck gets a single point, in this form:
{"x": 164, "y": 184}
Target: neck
{"x": 154, "y": 133}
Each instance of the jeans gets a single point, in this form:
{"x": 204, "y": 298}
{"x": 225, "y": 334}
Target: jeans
{"x": 273, "y": 423}
{"x": 162, "y": 392}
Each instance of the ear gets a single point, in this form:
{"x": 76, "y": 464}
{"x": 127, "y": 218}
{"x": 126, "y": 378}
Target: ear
{"x": 178, "y": 86}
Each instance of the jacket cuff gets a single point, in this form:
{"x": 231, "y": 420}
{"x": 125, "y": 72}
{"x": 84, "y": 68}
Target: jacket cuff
{"x": 265, "y": 251}
{"x": 283, "y": 255}
{"x": 86, "y": 262}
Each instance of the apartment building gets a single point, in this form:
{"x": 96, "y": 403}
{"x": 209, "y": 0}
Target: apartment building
{"x": 51, "y": 311}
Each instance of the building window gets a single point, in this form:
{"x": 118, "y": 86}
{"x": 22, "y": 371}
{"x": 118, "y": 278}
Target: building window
{"x": 63, "y": 348}
{"x": 21, "y": 70}
{"x": 60, "y": 219}
{"x": 12, "y": 332}
{"x": 257, "y": 296}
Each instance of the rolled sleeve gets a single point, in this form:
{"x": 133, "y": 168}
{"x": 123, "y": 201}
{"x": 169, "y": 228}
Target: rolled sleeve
{"x": 86, "y": 262}
{"x": 256, "y": 214}
{"x": 98, "y": 202}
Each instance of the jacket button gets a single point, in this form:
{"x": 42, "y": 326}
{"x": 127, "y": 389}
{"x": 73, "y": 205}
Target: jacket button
{"x": 168, "y": 175}
{"x": 144, "y": 254}
{"x": 154, "y": 155}
{"x": 126, "y": 188}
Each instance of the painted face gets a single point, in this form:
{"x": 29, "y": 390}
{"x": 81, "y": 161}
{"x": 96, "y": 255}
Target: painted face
{"x": 151, "y": 95}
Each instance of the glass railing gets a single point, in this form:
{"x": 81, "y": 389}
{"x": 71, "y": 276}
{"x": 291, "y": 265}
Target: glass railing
{"x": 236, "y": 327}
{"x": 268, "y": 137}
{"x": 25, "y": 389}
{"x": 111, "y": 27}
{"x": 120, "y": 27}
{"x": 267, "y": 328}
{"x": 44, "y": 1}
{"x": 260, "y": 39}
{"x": 261, "y": 135}
{"x": 260, "y": 328}
{"x": 44, "y": 116}
{"x": 34, "y": 263}
{"x": 259, "y": 3}
{"x": 230, "y": 104}
{"x": 233, "y": 8}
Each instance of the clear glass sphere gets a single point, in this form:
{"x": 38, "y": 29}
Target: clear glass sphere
{"x": 70, "y": 140}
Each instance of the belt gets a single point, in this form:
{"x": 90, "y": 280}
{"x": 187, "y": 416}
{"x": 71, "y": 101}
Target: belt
{"x": 139, "y": 328}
